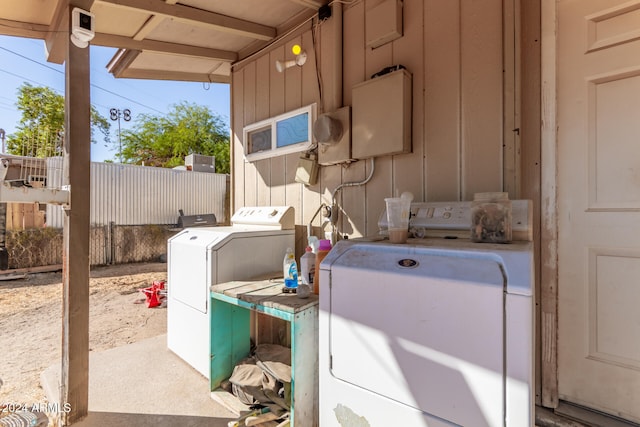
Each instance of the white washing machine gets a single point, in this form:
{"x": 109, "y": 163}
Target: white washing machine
{"x": 199, "y": 257}
{"x": 435, "y": 332}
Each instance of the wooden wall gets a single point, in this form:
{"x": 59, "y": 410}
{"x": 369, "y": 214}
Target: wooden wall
{"x": 454, "y": 50}
{"x": 23, "y": 216}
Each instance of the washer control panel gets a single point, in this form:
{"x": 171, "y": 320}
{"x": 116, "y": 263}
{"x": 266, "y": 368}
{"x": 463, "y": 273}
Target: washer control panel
{"x": 281, "y": 217}
{"x": 455, "y": 217}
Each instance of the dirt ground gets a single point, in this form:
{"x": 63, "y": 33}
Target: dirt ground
{"x": 31, "y": 325}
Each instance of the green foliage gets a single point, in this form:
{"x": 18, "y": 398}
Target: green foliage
{"x": 41, "y": 129}
{"x": 164, "y": 141}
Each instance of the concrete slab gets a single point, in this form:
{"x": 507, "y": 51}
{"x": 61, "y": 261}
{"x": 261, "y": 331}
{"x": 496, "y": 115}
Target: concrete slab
{"x": 143, "y": 384}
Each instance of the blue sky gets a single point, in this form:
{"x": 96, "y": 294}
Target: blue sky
{"x": 23, "y": 60}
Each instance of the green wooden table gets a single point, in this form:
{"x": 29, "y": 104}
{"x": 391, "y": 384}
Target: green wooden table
{"x": 231, "y": 307}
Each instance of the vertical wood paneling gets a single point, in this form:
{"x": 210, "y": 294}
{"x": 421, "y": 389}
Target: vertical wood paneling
{"x": 292, "y": 100}
{"x": 353, "y": 217}
{"x": 331, "y": 175}
{"x": 532, "y": 156}
{"x": 263, "y": 93}
{"x": 276, "y": 106}
{"x": 511, "y": 138}
{"x": 482, "y": 112}
{"x": 237, "y": 149}
{"x": 263, "y": 167}
{"x": 381, "y": 184}
{"x": 310, "y": 94}
{"x": 407, "y": 51}
{"x": 442, "y": 99}
{"x": 250, "y": 173}
{"x": 453, "y": 50}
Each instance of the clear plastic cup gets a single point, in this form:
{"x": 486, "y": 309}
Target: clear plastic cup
{"x": 398, "y": 209}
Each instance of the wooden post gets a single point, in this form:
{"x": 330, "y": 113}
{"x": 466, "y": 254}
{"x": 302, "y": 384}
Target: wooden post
{"x": 75, "y": 264}
{"x": 549, "y": 207}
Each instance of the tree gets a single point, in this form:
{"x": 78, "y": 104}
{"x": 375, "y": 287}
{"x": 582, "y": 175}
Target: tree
{"x": 41, "y": 129}
{"x": 164, "y": 141}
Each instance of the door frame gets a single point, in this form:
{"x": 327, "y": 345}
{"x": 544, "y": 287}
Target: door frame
{"x": 548, "y": 321}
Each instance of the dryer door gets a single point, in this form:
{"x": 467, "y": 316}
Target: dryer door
{"x": 422, "y": 327}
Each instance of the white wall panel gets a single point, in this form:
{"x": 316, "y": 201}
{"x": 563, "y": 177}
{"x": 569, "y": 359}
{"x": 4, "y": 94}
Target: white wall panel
{"x": 457, "y": 111}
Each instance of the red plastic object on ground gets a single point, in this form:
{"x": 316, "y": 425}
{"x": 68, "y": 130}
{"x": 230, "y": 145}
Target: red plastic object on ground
{"x": 155, "y": 293}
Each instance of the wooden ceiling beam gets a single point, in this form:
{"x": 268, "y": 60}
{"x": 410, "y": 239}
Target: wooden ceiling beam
{"x": 22, "y": 29}
{"x": 194, "y": 16}
{"x": 148, "y": 26}
{"x": 313, "y": 4}
{"x": 56, "y": 39}
{"x": 122, "y": 42}
{"x": 134, "y": 73}
{"x": 292, "y": 28}
{"x": 121, "y": 60}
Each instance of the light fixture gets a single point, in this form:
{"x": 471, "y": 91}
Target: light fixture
{"x": 301, "y": 58}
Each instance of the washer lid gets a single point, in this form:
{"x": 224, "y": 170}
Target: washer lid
{"x": 422, "y": 328}
{"x": 188, "y": 265}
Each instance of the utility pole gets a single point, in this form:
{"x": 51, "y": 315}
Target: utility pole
{"x": 2, "y": 136}
{"x": 117, "y": 114}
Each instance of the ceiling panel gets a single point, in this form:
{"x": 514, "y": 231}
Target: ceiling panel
{"x": 170, "y": 30}
{"x": 111, "y": 20}
{"x": 160, "y": 61}
{"x": 33, "y": 11}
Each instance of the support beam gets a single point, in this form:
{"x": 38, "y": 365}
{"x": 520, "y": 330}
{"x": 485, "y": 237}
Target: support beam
{"x": 148, "y": 27}
{"x": 22, "y": 29}
{"x": 74, "y": 387}
{"x": 9, "y": 194}
{"x": 121, "y": 61}
{"x": 122, "y": 42}
{"x": 130, "y": 73}
{"x": 194, "y": 16}
{"x": 313, "y": 4}
{"x": 549, "y": 205}
{"x": 56, "y": 40}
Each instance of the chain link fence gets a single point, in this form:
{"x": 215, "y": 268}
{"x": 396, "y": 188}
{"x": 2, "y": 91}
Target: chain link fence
{"x": 111, "y": 244}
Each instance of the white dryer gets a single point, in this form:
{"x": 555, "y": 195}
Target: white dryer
{"x": 434, "y": 332}
{"x": 199, "y": 257}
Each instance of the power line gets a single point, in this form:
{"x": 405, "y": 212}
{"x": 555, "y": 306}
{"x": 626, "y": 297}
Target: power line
{"x": 29, "y": 80}
{"x": 62, "y": 72}
{"x": 32, "y": 60}
{"x": 129, "y": 99}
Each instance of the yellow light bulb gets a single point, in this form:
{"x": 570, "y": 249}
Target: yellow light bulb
{"x": 296, "y": 49}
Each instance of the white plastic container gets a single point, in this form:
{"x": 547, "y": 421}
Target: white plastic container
{"x": 491, "y": 218}
{"x": 307, "y": 266}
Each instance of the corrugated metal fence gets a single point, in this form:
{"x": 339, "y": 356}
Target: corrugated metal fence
{"x": 134, "y": 211}
{"x": 138, "y": 195}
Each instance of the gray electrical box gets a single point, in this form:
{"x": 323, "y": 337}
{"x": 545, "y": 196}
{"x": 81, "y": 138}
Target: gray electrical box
{"x": 200, "y": 163}
{"x": 381, "y": 116}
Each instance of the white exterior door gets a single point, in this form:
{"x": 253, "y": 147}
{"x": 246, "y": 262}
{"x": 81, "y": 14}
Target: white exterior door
{"x": 599, "y": 204}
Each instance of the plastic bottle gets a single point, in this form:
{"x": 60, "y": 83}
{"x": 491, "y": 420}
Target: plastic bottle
{"x": 307, "y": 266}
{"x": 323, "y": 249}
{"x": 290, "y": 269}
